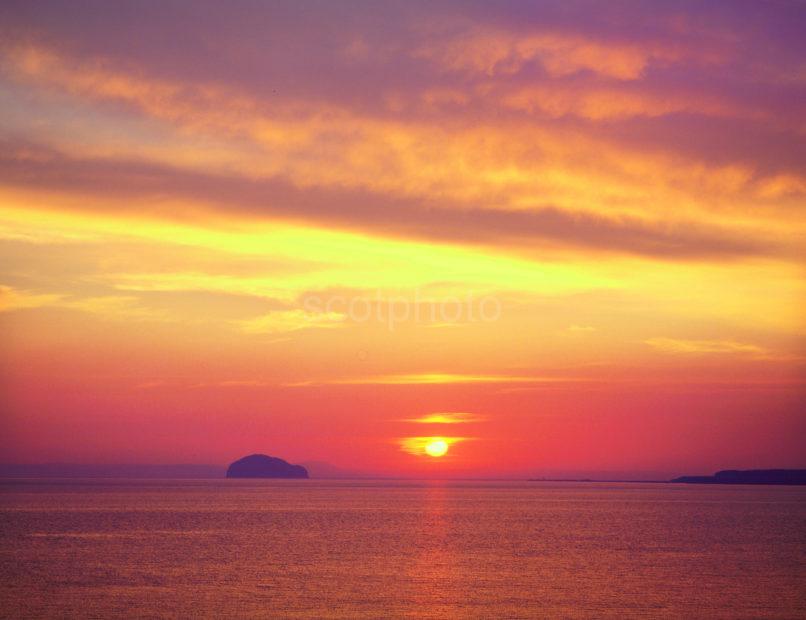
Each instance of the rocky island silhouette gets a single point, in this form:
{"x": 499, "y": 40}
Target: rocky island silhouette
{"x": 264, "y": 466}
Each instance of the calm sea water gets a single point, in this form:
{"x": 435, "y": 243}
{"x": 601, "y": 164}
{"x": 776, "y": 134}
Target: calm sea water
{"x": 400, "y": 549}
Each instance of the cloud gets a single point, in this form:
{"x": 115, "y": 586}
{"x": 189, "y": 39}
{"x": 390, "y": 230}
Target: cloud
{"x": 12, "y": 299}
{"x": 580, "y": 329}
{"x": 363, "y": 210}
{"x": 727, "y": 348}
{"x": 493, "y": 53}
{"x": 436, "y": 379}
{"x": 237, "y": 383}
{"x": 152, "y": 385}
{"x": 289, "y": 321}
{"x": 116, "y": 306}
{"x": 482, "y": 158}
{"x": 676, "y": 346}
{"x": 598, "y": 103}
{"x": 448, "y": 418}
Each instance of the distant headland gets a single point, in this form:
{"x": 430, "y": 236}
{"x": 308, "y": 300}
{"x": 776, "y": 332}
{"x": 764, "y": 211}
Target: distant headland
{"x": 263, "y": 466}
{"x": 749, "y": 476}
{"x": 727, "y": 476}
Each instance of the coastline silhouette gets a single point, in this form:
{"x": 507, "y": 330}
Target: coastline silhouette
{"x": 749, "y": 476}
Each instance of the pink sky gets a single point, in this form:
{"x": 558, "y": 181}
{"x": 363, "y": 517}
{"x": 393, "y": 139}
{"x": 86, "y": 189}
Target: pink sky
{"x": 573, "y": 230}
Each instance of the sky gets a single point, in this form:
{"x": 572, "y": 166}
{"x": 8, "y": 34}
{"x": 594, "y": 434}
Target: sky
{"x": 560, "y": 236}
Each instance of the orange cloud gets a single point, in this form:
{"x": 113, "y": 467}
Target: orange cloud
{"x": 479, "y": 165}
{"x": 11, "y": 299}
{"x": 448, "y": 418}
{"x": 437, "y": 379}
{"x": 719, "y": 347}
{"x": 493, "y": 52}
{"x": 599, "y": 103}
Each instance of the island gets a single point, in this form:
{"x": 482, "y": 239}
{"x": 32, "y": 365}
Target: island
{"x": 263, "y": 466}
{"x": 749, "y": 476}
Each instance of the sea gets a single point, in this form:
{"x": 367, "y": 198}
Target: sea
{"x": 97, "y": 548}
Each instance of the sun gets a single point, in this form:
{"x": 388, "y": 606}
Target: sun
{"x": 438, "y": 447}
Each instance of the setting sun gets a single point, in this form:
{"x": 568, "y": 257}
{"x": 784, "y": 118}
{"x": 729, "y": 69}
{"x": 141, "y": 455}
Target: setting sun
{"x": 429, "y": 445}
{"x": 438, "y": 447}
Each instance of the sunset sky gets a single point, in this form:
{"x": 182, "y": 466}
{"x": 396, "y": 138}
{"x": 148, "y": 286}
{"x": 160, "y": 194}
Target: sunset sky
{"x": 562, "y": 236}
